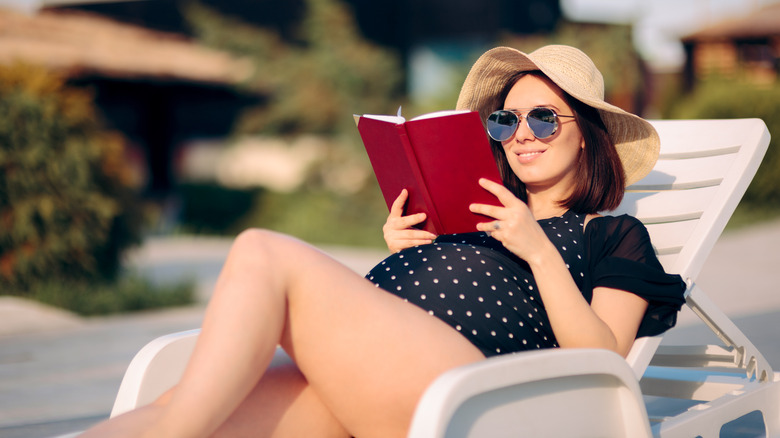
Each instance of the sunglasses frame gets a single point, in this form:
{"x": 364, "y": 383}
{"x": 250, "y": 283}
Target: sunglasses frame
{"x": 519, "y": 116}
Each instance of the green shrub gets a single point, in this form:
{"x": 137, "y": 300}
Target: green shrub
{"x": 66, "y": 207}
{"x": 734, "y": 99}
{"x": 209, "y": 208}
{"x": 324, "y": 217}
{"x": 314, "y": 79}
{"x": 129, "y": 293}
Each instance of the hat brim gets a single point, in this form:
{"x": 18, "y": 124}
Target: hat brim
{"x": 635, "y": 139}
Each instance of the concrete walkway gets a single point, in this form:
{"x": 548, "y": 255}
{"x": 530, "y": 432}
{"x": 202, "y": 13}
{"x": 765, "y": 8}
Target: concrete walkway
{"x": 59, "y": 373}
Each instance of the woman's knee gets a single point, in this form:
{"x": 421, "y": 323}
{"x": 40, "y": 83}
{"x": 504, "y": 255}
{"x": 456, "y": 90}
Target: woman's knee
{"x": 255, "y": 244}
{"x": 253, "y": 239}
{"x": 259, "y": 239}
{"x": 257, "y": 251}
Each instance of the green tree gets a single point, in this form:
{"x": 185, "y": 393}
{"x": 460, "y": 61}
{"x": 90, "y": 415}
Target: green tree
{"x": 315, "y": 82}
{"x": 728, "y": 99}
{"x": 66, "y": 207}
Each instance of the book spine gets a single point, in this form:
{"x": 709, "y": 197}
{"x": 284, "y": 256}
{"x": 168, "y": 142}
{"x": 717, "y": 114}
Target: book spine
{"x": 433, "y": 223}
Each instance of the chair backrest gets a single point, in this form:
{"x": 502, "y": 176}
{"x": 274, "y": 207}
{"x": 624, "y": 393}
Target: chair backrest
{"x": 685, "y": 202}
{"x": 703, "y": 170}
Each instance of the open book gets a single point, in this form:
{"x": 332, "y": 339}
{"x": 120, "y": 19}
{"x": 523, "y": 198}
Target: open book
{"x": 439, "y": 158}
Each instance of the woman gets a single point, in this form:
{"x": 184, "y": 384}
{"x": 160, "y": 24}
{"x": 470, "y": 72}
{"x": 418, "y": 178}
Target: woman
{"x": 546, "y": 271}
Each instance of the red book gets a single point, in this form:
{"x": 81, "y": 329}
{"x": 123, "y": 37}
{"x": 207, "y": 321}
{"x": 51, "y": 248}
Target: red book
{"x": 439, "y": 158}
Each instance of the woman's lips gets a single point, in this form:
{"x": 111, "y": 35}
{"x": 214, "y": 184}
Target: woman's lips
{"x": 528, "y": 156}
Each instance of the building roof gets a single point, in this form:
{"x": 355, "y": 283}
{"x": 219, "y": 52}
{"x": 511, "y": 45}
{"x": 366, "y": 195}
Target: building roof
{"x": 763, "y": 22}
{"x": 80, "y": 44}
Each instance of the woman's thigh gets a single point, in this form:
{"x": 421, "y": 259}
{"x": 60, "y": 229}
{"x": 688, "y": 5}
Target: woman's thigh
{"x": 282, "y": 404}
{"x": 368, "y": 354}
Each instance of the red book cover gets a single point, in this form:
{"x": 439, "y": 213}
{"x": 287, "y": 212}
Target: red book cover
{"x": 439, "y": 158}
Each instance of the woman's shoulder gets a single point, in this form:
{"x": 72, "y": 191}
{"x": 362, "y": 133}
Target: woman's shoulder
{"x": 621, "y": 235}
{"x": 615, "y": 224}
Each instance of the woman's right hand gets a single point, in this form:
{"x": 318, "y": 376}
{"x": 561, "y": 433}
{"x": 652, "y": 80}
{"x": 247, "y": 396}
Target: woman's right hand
{"x": 398, "y": 231}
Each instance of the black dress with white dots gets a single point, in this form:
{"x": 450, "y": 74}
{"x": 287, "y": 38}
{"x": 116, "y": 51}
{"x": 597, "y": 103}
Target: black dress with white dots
{"x": 482, "y": 290}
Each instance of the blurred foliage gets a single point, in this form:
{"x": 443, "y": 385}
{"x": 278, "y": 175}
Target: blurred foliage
{"x": 325, "y": 217}
{"x": 209, "y": 208}
{"x": 311, "y": 213}
{"x": 318, "y": 78}
{"x": 727, "y": 99}
{"x": 315, "y": 82}
{"x": 67, "y": 209}
{"x": 131, "y": 292}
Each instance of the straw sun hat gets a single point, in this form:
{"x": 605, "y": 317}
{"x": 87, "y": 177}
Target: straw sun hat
{"x": 573, "y": 71}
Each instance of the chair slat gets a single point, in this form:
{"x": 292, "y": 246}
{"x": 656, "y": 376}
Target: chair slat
{"x": 686, "y": 174}
{"x": 670, "y": 236}
{"x": 693, "y": 136}
{"x": 667, "y": 206}
{"x": 668, "y": 261}
{"x": 710, "y": 152}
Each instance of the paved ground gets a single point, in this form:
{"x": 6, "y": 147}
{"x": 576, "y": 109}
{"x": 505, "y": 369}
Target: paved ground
{"x": 59, "y": 373}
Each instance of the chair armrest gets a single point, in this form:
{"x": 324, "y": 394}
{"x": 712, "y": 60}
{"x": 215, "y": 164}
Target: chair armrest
{"x": 156, "y": 368}
{"x": 541, "y": 393}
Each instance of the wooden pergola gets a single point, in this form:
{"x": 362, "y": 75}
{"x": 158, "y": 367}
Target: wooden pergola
{"x": 159, "y": 89}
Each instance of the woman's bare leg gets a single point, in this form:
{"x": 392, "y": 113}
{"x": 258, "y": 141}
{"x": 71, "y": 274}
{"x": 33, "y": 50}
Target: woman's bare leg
{"x": 282, "y": 404}
{"x": 366, "y": 354}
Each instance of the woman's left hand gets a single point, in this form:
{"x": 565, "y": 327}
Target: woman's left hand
{"x": 514, "y": 225}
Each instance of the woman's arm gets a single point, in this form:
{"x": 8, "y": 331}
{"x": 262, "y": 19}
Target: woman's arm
{"x": 622, "y": 311}
{"x": 610, "y": 322}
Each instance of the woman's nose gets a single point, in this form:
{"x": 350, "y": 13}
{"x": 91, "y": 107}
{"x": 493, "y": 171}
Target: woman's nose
{"x": 523, "y": 131}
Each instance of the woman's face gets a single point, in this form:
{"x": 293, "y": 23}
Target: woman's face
{"x": 548, "y": 163}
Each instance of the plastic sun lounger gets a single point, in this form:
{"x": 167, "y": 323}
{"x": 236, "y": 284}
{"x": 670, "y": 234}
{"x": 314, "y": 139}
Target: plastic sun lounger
{"x": 685, "y": 202}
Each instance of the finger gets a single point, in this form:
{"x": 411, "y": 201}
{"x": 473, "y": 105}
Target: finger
{"x": 492, "y": 211}
{"x": 417, "y": 242}
{"x": 422, "y": 236}
{"x": 412, "y": 234}
{"x": 404, "y": 222}
{"x": 488, "y": 227}
{"x": 503, "y": 194}
{"x": 397, "y": 209}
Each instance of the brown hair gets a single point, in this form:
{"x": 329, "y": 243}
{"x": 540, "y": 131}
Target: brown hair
{"x": 600, "y": 177}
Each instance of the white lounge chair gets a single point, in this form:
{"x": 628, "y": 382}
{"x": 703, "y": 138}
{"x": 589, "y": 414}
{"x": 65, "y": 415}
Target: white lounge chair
{"x": 686, "y": 201}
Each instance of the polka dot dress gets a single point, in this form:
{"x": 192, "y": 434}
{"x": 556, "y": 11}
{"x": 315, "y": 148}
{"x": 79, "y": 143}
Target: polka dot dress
{"x": 471, "y": 282}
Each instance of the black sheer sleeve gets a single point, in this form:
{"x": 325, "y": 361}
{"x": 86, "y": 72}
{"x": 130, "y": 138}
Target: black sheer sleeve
{"x": 620, "y": 256}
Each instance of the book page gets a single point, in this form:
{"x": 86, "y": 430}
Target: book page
{"x": 443, "y": 113}
{"x": 398, "y": 120}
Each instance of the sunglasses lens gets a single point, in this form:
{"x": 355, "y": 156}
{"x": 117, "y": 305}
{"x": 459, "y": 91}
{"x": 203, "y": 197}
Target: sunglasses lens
{"x": 542, "y": 121}
{"x": 501, "y": 125}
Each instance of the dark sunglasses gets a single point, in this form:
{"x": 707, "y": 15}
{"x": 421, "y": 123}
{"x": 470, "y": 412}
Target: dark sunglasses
{"x": 502, "y": 124}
